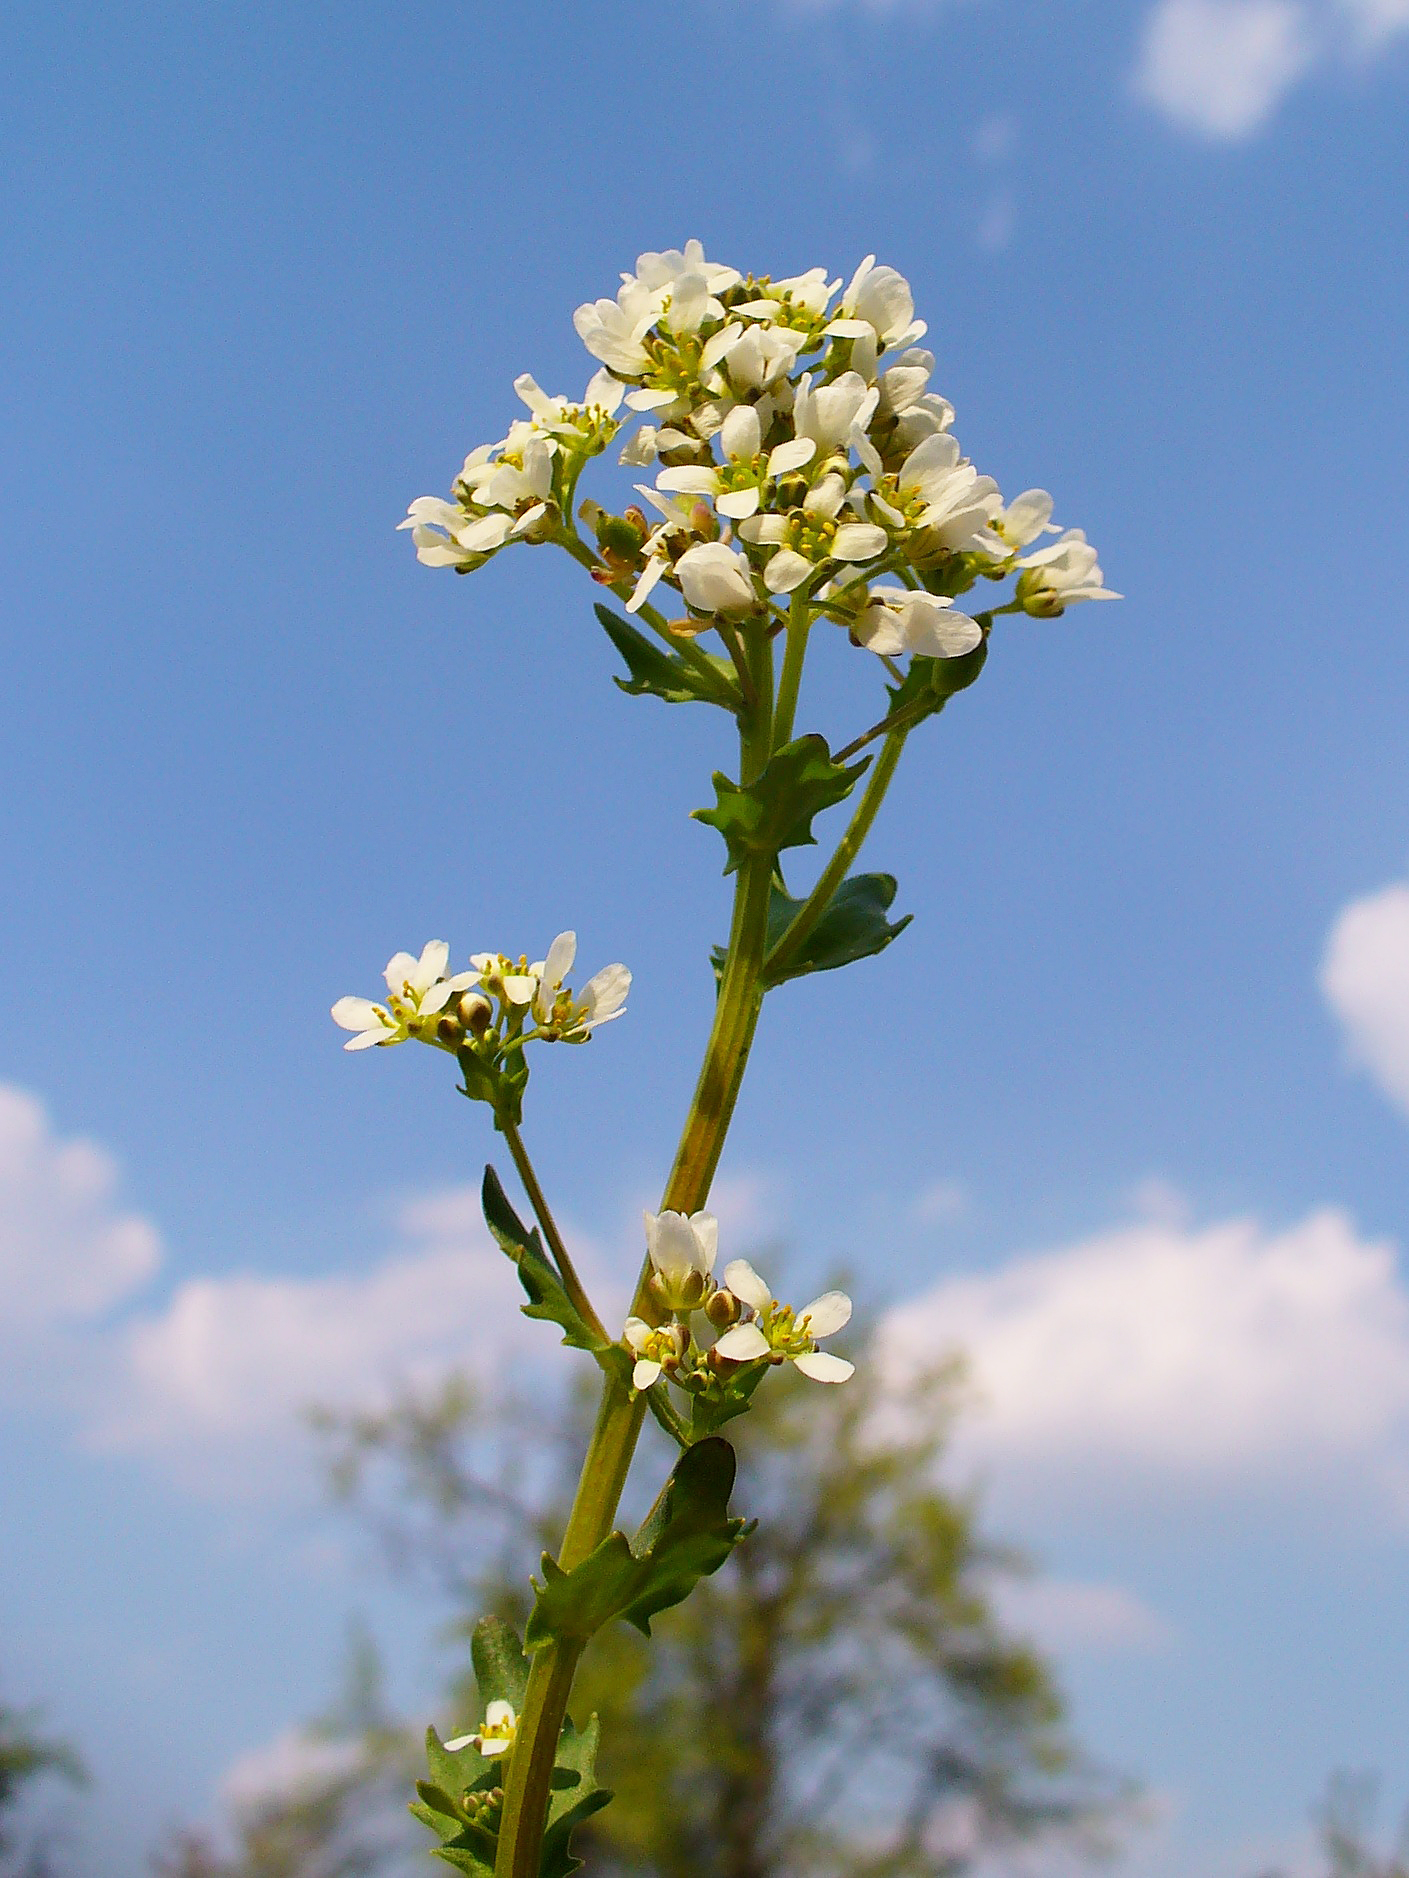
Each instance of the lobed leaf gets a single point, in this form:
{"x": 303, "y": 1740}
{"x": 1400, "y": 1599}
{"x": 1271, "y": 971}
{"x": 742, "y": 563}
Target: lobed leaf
{"x": 688, "y": 1535}
{"x": 776, "y": 811}
{"x": 852, "y": 925}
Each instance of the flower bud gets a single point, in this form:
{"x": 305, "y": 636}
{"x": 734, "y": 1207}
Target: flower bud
{"x": 449, "y": 1030}
{"x": 618, "y": 535}
{"x": 475, "y": 1013}
{"x": 683, "y": 1292}
{"x": 704, "y": 521}
{"x": 637, "y": 518}
{"x": 723, "y": 1310}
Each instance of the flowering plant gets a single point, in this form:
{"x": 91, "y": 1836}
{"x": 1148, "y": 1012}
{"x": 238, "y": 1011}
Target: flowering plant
{"x": 805, "y": 477}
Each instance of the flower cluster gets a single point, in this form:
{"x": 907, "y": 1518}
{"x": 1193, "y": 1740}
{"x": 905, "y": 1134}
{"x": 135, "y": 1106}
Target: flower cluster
{"x": 799, "y": 453}
{"x": 499, "y": 1003}
{"x": 756, "y": 1327}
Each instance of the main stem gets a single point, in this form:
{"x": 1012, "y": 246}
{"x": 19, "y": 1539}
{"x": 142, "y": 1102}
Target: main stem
{"x": 619, "y": 1416}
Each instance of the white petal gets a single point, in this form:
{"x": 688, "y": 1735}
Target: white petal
{"x": 746, "y": 1285}
{"x": 492, "y": 1749}
{"x": 787, "y": 570}
{"x": 436, "y": 998}
{"x": 739, "y": 434}
{"x": 357, "y": 1014}
{"x": 519, "y": 987}
{"x": 369, "y": 1037}
{"x": 646, "y": 399}
{"x": 498, "y": 1713}
{"x": 460, "y": 1741}
{"x": 645, "y": 1373}
{"x": 636, "y": 1333}
{"x": 690, "y": 479}
{"x": 822, "y": 1366}
{"x": 763, "y": 528}
{"x": 706, "y": 1230}
{"x": 826, "y": 1314}
{"x": 743, "y": 1343}
{"x": 858, "y": 541}
{"x": 791, "y": 455}
{"x": 561, "y": 954}
{"x": 738, "y": 505}
{"x": 719, "y": 347}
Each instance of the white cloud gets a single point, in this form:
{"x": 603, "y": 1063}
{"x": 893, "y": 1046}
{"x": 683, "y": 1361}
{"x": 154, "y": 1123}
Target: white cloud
{"x": 1221, "y": 67}
{"x": 1072, "y": 1615}
{"x": 215, "y": 1385}
{"x": 68, "y": 1251}
{"x": 1155, "y": 1351}
{"x": 939, "y": 1202}
{"x": 1365, "y": 979}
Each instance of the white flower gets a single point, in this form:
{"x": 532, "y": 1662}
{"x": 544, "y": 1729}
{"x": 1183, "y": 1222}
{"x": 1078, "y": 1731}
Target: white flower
{"x": 418, "y": 988}
{"x": 808, "y": 292}
{"x": 655, "y": 1347}
{"x": 495, "y": 1734}
{"x": 1058, "y": 575}
{"x": 832, "y": 413}
{"x": 1025, "y": 518}
{"x": 679, "y": 519}
{"x": 896, "y": 621}
{"x": 642, "y": 448}
{"x": 850, "y": 541}
{"x": 555, "y": 1007}
{"x": 612, "y": 330}
{"x": 561, "y": 416}
{"x": 715, "y": 579}
{"x": 736, "y": 487}
{"x": 754, "y": 359}
{"x": 682, "y": 1249}
{"x": 655, "y": 271}
{"x": 779, "y": 1333}
{"x": 938, "y": 491}
{"x": 878, "y": 301}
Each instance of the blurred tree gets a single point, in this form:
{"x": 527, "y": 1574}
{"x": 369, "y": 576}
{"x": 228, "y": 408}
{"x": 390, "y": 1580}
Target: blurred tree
{"x": 25, "y": 1758}
{"x": 1345, "y": 1821}
{"x": 842, "y": 1699}
{"x": 336, "y": 1808}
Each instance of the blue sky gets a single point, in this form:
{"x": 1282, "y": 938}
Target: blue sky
{"x": 269, "y": 274}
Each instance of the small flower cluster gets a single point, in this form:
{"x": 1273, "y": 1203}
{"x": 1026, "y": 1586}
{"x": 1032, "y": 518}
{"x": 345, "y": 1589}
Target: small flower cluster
{"x": 534, "y": 1002}
{"x": 799, "y": 451}
{"x": 755, "y": 1326}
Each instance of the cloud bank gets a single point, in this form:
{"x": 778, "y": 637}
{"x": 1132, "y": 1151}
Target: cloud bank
{"x": 1365, "y": 979}
{"x": 68, "y": 1249}
{"x": 1221, "y": 68}
{"x": 1156, "y": 1353}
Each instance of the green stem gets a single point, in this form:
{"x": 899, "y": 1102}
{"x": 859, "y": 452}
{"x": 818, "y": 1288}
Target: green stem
{"x": 572, "y": 1284}
{"x": 619, "y": 1415}
{"x": 834, "y": 872}
{"x": 799, "y": 625}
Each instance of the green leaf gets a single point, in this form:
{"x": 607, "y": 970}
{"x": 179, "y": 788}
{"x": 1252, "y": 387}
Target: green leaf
{"x": 688, "y": 1535}
{"x": 663, "y": 673}
{"x": 933, "y": 682}
{"x": 852, "y": 926}
{"x": 537, "y": 1275}
{"x": 573, "y": 1796}
{"x": 501, "y": 1668}
{"x": 776, "y": 811}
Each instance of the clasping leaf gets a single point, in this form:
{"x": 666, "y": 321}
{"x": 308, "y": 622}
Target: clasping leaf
{"x": 687, "y": 1536}
{"x": 776, "y": 811}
